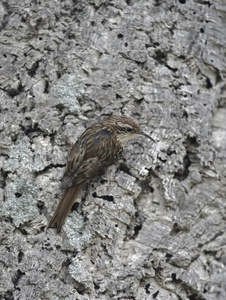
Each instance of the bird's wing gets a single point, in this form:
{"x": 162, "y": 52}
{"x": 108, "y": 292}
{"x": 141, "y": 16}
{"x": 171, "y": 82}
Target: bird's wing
{"x": 79, "y": 168}
{"x": 75, "y": 159}
{"x": 89, "y": 168}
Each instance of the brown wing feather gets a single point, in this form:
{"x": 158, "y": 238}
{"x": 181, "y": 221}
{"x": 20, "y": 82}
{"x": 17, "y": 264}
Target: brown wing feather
{"x": 74, "y": 161}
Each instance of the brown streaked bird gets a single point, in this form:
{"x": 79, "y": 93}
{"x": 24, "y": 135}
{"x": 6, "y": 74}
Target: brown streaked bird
{"x": 97, "y": 148}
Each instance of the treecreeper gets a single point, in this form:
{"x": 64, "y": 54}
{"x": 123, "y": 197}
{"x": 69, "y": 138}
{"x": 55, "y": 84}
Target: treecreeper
{"x": 98, "y": 147}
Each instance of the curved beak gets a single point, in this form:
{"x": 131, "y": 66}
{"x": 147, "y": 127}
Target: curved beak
{"x": 144, "y": 134}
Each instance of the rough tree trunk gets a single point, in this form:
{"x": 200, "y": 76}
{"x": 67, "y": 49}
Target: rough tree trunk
{"x": 153, "y": 226}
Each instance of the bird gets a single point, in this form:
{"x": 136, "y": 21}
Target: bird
{"x": 99, "y": 146}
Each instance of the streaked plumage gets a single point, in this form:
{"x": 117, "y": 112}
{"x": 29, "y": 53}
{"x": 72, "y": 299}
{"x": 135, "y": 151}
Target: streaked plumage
{"x": 97, "y": 148}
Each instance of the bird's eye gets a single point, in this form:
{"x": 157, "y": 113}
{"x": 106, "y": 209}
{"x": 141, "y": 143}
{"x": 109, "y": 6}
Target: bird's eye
{"x": 129, "y": 129}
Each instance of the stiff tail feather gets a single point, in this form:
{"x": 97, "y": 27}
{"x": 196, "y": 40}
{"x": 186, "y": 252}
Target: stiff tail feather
{"x": 64, "y": 206}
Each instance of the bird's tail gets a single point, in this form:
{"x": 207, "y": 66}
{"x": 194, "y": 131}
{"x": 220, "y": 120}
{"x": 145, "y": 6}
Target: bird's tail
{"x": 64, "y": 206}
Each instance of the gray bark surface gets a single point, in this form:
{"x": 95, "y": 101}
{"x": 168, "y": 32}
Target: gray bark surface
{"x": 153, "y": 226}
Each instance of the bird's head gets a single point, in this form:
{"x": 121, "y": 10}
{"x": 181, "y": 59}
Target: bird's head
{"x": 125, "y": 129}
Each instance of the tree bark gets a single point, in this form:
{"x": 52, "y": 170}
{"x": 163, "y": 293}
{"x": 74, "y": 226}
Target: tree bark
{"x": 153, "y": 226}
